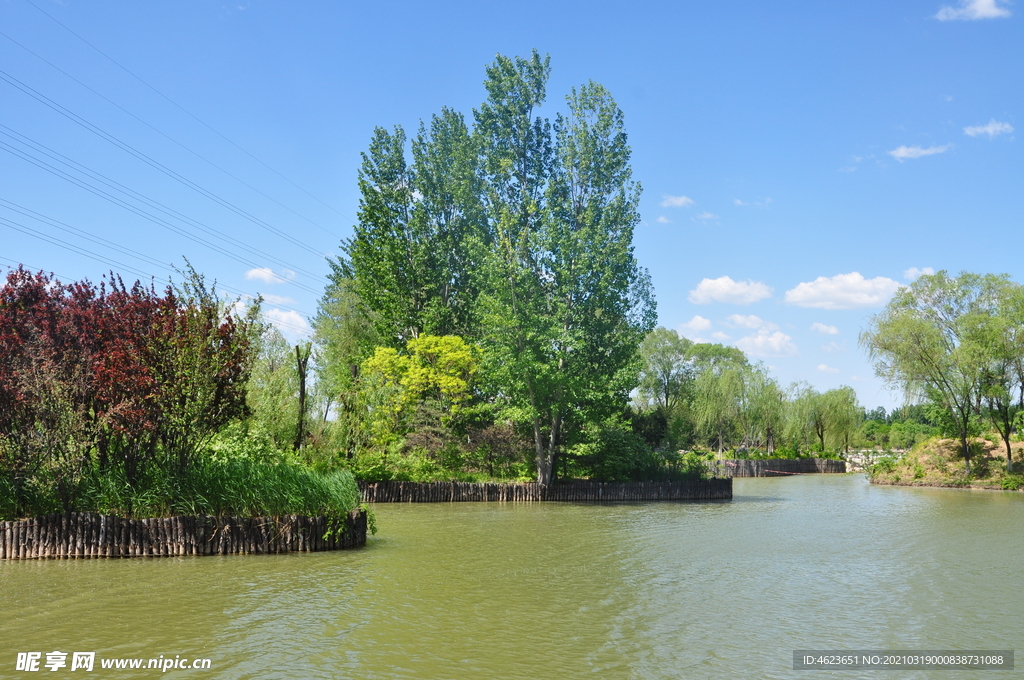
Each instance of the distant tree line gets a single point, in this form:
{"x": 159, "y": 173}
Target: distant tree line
{"x": 710, "y": 396}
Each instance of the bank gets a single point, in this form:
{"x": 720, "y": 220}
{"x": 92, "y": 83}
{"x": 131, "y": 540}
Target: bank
{"x": 940, "y": 463}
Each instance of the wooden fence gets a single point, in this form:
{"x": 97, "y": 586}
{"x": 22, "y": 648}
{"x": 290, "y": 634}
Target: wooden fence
{"x": 77, "y": 535}
{"x": 445, "y": 492}
{"x": 775, "y": 467}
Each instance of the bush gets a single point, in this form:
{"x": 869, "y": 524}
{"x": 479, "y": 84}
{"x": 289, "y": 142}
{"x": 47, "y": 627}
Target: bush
{"x": 884, "y": 466}
{"x": 612, "y": 454}
{"x": 1013, "y": 482}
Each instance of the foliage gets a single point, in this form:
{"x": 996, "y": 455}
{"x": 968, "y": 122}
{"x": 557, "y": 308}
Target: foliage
{"x": 612, "y": 453}
{"x": 409, "y": 259}
{"x": 1012, "y": 482}
{"x": 110, "y": 378}
{"x": 435, "y": 371}
{"x": 940, "y": 462}
{"x": 240, "y": 472}
{"x": 936, "y": 339}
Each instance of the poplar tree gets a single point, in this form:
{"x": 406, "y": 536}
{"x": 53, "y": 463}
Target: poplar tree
{"x": 565, "y": 303}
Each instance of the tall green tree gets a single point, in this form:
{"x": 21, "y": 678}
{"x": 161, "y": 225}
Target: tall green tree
{"x": 1000, "y": 338}
{"x": 924, "y": 342}
{"x": 565, "y": 303}
{"x": 667, "y": 371}
{"x": 716, "y": 403}
{"x": 410, "y": 255}
{"x": 764, "y": 409}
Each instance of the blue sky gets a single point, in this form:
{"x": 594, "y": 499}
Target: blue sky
{"x": 799, "y": 160}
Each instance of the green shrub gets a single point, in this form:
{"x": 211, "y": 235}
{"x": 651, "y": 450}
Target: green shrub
{"x": 886, "y": 465}
{"x": 613, "y": 454}
{"x": 1013, "y": 482}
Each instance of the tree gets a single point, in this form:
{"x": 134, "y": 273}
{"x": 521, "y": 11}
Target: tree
{"x": 667, "y": 371}
{"x": 436, "y": 371}
{"x": 924, "y": 342}
{"x": 565, "y": 304}
{"x": 844, "y": 415}
{"x": 1000, "y": 338}
{"x": 764, "y": 409}
{"x": 716, "y": 403}
{"x": 409, "y": 259}
{"x": 273, "y": 388}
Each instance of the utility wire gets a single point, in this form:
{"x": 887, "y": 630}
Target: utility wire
{"x": 156, "y": 205}
{"x": 19, "y": 153}
{"x": 129, "y": 149}
{"x": 181, "y": 108}
{"x": 64, "y": 226}
{"x": 166, "y": 136}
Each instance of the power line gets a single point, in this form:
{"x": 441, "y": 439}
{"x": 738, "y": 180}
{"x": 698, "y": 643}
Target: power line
{"x": 181, "y": 108}
{"x": 129, "y": 149}
{"x": 116, "y": 186}
{"x": 166, "y": 136}
{"x": 67, "y": 228}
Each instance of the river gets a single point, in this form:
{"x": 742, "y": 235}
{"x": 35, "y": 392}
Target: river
{"x": 536, "y": 591}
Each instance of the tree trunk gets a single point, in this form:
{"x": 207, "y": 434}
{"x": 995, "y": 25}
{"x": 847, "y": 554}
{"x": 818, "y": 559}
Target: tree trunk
{"x": 543, "y": 463}
{"x": 301, "y": 364}
{"x": 966, "y": 450}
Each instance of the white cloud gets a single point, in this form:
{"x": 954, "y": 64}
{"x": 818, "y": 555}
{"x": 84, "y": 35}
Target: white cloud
{"x": 973, "y": 9}
{"x": 707, "y": 216}
{"x": 902, "y": 153}
{"x": 676, "y": 201}
{"x": 663, "y": 220}
{"x": 833, "y": 347}
{"x": 914, "y": 272}
{"x": 268, "y": 275}
{"x": 822, "y": 328}
{"x": 824, "y": 368}
{"x": 724, "y": 289}
{"x": 737, "y": 201}
{"x": 693, "y": 328}
{"x": 290, "y": 323}
{"x": 278, "y": 299}
{"x": 765, "y": 343}
{"x": 993, "y": 128}
{"x": 751, "y": 321}
{"x": 720, "y": 336}
{"x": 843, "y": 291}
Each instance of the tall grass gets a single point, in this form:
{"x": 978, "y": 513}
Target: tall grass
{"x": 235, "y": 486}
{"x": 240, "y": 473}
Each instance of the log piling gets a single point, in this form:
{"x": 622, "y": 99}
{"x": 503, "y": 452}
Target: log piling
{"x": 582, "y": 492}
{"x": 776, "y": 467}
{"x": 79, "y": 535}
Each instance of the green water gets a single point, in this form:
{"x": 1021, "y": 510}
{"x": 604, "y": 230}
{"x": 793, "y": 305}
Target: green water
{"x": 718, "y": 590}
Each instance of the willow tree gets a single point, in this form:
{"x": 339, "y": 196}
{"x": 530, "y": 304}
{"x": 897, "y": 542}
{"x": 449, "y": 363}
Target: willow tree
{"x": 668, "y": 371}
{"x": 925, "y": 342}
{"x": 565, "y": 305}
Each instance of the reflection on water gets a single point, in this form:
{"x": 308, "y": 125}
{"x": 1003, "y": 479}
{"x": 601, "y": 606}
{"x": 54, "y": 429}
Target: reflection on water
{"x": 536, "y": 591}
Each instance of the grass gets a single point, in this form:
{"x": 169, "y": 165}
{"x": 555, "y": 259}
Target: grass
{"x": 938, "y": 462}
{"x": 239, "y": 474}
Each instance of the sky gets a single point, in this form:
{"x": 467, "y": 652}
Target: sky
{"x": 800, "y": 161}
